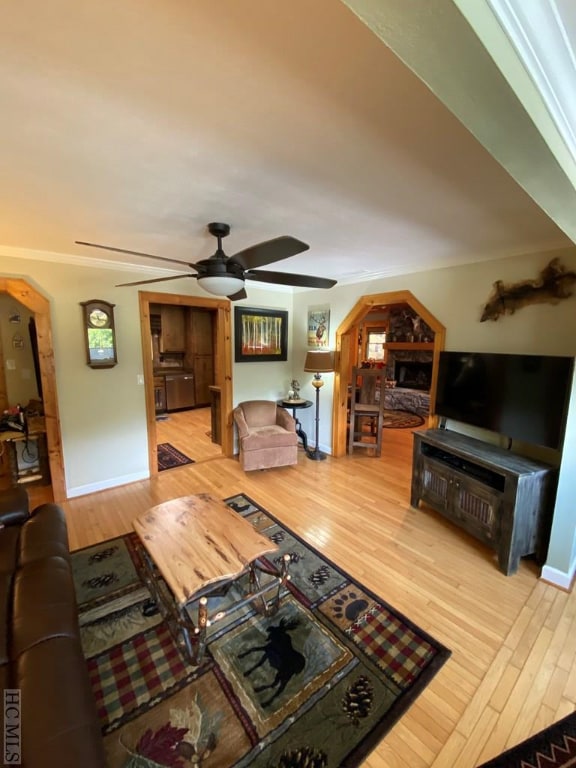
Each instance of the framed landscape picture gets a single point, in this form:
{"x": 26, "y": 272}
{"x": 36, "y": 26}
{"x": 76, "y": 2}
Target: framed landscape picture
{"x": 260, "y": 335}
{"x": 318, "y": 326}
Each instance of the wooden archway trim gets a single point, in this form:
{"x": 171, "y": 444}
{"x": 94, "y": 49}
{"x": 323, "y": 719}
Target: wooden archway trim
{"x": 222, "y": 363}
{"x": 346, "y": 334}
{"x": 21, "y": 291}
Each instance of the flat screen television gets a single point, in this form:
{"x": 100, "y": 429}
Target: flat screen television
{"x": 524, "y": 397}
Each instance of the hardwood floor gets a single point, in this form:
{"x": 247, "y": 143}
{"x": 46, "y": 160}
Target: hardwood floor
{"x": 513, "y": 639}
{"x": 189, "y": 432}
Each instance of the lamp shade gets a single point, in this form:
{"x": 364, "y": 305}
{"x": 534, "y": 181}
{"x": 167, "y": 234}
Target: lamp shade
{"x": 319, "y": 361}
{"x": 221, "y": 285}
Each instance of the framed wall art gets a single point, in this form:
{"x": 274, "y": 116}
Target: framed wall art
{"x": 318, "y": 326}
{"x": 260, "y": 335}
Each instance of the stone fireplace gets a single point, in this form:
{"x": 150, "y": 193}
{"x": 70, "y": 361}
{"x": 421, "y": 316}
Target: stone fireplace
{"x": 410, "y": 369}
{"x": 413, "y": 374}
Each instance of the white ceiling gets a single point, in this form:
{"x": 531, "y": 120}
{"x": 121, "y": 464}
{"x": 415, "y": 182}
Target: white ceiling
{"x": 134, "y": 124}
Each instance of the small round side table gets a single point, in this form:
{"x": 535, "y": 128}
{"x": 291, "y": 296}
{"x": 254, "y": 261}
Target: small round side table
{"x": 296, "y": 405}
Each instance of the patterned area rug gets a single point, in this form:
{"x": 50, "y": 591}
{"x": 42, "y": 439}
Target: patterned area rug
{"x": 401, "y": 420}
{"x": 170, "y": 457}
{"x": 317, "y": 685}
{"x": 554, "y": 747}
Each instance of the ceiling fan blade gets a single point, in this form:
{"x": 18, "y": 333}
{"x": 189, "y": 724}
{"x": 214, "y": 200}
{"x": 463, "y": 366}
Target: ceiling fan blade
{"x": 284, "y": 278}
{"x": 153, "y": 280}
{"x": 269, "y": 251}
{"x": 134, "y": 253}
{"x": 241, "y": 294}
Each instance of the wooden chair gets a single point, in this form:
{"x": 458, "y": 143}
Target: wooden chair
{"x": 367, "y": 404}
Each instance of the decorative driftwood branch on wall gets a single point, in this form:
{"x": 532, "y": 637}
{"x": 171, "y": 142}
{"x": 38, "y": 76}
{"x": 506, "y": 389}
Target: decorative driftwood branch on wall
{"x": 553, "y": 284}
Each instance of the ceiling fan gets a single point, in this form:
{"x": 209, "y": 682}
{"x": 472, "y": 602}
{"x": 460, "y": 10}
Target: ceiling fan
{"x": 225, "y": 275}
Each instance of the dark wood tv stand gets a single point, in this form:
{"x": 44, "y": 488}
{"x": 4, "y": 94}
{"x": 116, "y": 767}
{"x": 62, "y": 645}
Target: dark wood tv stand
{"x": 499, "y": 497}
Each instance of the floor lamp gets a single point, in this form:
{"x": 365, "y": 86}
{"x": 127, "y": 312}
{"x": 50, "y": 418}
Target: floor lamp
{"x": 320, "y": 362}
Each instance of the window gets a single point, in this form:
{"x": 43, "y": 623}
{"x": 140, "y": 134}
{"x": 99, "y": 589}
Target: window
{"x": 375, "y": 341}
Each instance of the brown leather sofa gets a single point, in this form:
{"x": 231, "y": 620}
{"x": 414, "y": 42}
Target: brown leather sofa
{"x": 40, "y": 653}
{"x": 266, "y": 435}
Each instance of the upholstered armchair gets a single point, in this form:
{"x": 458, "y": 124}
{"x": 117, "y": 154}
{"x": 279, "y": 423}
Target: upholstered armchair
{"x": 266, "y": 435}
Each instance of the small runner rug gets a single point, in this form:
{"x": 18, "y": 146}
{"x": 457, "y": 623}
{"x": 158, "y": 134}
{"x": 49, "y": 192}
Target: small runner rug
{"x": 317, "y": 685}
{"x": 554, "y": 747}
{"x": 170, "y": 457}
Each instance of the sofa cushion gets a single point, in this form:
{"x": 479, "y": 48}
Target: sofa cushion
{"x": 44, "y": 535}
{"x": 14, "y": 509}
{"x": 271, "y": 436}
{"x": 44, "y": 604}
{"x": 5, "y": 614}
{"x": 9, "y": 548}
{"x": 59, "y": 720}
{"x": 259, "y": 413}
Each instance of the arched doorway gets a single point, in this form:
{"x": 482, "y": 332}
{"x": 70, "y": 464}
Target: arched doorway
{"x": 346, "y": 337}
{"x": 21, "y": 291}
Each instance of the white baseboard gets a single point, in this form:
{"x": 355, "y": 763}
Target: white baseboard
{"x": 558, "y": 578}
{"x": 82, "y": 490}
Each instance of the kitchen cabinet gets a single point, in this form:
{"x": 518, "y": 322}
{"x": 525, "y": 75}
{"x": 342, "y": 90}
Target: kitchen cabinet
{"x": 500, "y": 498}
{"x": 200, "y": 331}
{"x": 200, "y": 352}
{"x": 172, "y": 336}
{"x": 204, "y": 377}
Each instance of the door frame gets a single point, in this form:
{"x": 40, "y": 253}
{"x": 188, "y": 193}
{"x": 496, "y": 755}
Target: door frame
{"x": 35, "y": 302}
{"x": 222, "y": 363}
{"x": 347, "y": 334}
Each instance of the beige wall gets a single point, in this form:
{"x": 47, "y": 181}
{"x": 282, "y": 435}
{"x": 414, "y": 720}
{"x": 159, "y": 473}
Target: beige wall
{"x": 103, "y": 411}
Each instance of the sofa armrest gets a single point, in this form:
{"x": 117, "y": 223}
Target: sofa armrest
{"x": 283, "y": 419}
{"x": 243, "y": 429}
{"x": 14, "y": 506}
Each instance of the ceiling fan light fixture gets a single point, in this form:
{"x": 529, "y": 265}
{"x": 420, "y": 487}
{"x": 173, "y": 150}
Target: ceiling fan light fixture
{"x": 221, "y": 285}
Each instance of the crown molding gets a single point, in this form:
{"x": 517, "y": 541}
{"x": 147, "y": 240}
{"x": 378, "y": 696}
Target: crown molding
{"x": 83, "y": 261}
{"x": 537, "y": 32}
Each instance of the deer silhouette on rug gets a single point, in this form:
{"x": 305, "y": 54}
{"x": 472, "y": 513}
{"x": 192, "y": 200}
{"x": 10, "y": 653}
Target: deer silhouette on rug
{"x": 280, "y": 655}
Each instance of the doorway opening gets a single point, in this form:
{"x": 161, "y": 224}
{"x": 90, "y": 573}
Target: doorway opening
{"x": 219, "y": 310}
{"x": 347, "y": 355}
{"x": 29, "y": 297}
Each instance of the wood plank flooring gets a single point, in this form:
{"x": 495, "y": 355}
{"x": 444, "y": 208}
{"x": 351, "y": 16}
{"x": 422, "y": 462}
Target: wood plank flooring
{"x": 189, "y": 432}
{"x": 513, "y": 639}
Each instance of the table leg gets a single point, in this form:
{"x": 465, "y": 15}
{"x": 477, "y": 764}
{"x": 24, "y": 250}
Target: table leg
{"x": 269, "y": 607}
{"x": 299, "y": 431}
{"x": 181, "y": 626}
{"x": 283, "y": 578}
{"x": 196, "y": 645}
{"x": 193, "y": 637}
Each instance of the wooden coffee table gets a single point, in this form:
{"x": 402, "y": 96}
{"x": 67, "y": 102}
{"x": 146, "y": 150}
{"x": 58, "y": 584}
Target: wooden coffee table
{"x": 198, "y": 546}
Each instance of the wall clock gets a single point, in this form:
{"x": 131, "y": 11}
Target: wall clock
{"x": 99, "y": 333}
